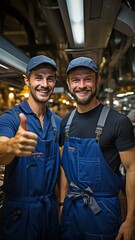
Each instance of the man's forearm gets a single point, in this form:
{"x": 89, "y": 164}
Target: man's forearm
{"x": 6, "y": 155}
{"x": 63, "y": 186}
{"x": 130, "y": 188}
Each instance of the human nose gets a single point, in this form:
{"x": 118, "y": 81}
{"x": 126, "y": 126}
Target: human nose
{"x": 81, "y": 83}
{"x": 44, "y": 82}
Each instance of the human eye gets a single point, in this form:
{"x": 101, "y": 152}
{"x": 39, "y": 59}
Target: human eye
{"x": 51, "y": 79}
{"x": 75, "y": 80}
{"x": 38, "y": 77}
{"x": 88, "y": 79}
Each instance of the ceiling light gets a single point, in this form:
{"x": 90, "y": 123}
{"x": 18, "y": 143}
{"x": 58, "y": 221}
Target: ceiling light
{"x": 12, "y": 61}
{"x": 11, "y": 95}
{"x": 76, "y": 15}
{"x": 11, "y": 88}
{"x": 3, "y": 66}
{"x": 12, "y": 56}
{"x": 120, "y": 94}
{"x": 130, "y": 93}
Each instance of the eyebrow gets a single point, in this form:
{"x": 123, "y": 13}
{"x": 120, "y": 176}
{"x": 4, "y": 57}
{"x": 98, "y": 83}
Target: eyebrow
{"x": 40, "y": 74}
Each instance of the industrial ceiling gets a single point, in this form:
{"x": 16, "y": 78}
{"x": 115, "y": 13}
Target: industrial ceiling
{"x": 43, "y": 27}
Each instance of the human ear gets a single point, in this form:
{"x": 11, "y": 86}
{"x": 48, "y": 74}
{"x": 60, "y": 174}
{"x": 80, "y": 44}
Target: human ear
{"x": 26, "y": 80}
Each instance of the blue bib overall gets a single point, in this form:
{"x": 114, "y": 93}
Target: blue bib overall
{"x": 91, "y": 209}
{"x": 30, "y": 206}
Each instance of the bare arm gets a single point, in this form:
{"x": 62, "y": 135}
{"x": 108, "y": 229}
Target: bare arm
{"x": 22, "y": 144}
{"x": 127, "y": 229}
{"x": 63, "y": 187}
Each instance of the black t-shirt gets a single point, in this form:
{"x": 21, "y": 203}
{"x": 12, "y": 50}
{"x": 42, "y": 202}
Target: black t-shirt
{"x": 117, "y": 134}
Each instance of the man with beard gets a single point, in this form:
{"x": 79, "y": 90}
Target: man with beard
{"x": 97, "y": 142}
{"x": 29, "y": 149}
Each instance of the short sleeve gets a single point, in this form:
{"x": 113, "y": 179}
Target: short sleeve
{"x": 125, "y": 134}
{"x": 9, "y": 122}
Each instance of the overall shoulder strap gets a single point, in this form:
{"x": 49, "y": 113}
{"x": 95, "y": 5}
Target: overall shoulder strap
{"x": 55, "y": 131}
{"x": 69, "y": 123}
{"x": 101, "y": 122}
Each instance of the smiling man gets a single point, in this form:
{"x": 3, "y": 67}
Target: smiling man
{"x": 29, "y": 149}
{"x": 96, "y": 141}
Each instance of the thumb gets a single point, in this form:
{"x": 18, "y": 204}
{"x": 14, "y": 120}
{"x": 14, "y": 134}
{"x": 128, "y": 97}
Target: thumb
{"x": 23, "y": 121}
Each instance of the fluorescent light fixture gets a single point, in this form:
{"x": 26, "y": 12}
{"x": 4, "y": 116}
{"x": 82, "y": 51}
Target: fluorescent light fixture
{"x": 129, "y": 93}
{"x": 3, "y": 66}
{"x": 125, "y": 94}
{"x": 121, "y": 95}
{"x": 76, "y": 15}
{"x": 11, "y": 55}
{"x": 12, "y": 61}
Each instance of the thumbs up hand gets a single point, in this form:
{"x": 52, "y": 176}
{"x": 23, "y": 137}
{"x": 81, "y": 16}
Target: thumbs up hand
{"x": 24, "y": 142}
{"x": 23, "y": 121}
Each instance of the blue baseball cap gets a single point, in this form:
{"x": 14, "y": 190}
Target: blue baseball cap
{"x": 40, "y": 59}
{"x": 82, "y": 62}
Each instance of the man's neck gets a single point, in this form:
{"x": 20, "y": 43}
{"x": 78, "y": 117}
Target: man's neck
{"x": 86, "y": 108}
{"x": 38, "y": 108}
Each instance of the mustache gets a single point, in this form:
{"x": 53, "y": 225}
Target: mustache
{"x": 83, "y": 89}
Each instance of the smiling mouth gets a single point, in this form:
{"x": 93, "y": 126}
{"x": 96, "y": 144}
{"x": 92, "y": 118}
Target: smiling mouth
{"x": 43, "y": 91}
{"x": 83, "y": 92}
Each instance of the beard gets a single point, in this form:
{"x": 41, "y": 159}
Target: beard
{"x": 86, "y": 100}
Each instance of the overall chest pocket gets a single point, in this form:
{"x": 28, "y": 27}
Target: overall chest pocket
{"x": 88, "y": 169}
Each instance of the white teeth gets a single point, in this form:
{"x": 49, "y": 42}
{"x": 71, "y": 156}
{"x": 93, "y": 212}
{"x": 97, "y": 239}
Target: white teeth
{"x": 42, "y": 91}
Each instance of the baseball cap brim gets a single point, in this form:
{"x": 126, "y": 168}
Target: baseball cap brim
{"x": 82, "y": 62}
{"x": 38, "y": 60}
